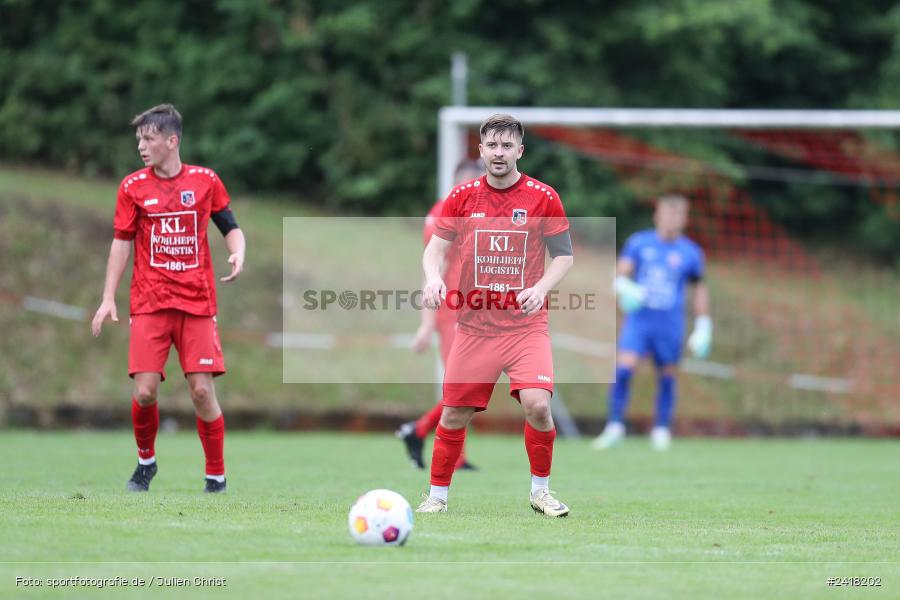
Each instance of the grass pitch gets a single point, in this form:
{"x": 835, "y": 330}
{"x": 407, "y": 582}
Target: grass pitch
{"x": 746, "y": 519}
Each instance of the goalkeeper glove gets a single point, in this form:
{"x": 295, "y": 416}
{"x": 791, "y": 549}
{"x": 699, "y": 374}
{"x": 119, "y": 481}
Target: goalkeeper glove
{"x": 630, "y": 295}
{"x": 701, "y": 338}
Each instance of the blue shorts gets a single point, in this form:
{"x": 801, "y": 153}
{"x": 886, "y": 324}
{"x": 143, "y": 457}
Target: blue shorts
{"x": 643, "y": 338}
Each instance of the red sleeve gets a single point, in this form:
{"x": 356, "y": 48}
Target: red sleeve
{"x": 220, "y": 197}
{"x": 555, "y": 221}
{"x": 447, "y": 225}
{"x": 125, "y": 220}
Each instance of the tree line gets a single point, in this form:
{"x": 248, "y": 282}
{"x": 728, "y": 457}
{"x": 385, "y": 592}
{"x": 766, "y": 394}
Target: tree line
{"x": 336, "y": 100}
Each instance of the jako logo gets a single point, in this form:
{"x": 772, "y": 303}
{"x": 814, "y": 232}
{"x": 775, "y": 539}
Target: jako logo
{"x": 151, "y": 201}
{"x": 477, "y": 216}
{"x": 544, "y": 378}
{"x": 206, "y": 361}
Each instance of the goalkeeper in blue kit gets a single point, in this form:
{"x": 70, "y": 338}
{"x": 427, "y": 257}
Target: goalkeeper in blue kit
{"x": 652, "y": 272}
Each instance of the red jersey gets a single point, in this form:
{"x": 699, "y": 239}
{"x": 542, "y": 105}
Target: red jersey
{"x": 451, "y": 272}
{"x": 500, "y": 235}
{"x": 167, "y": 219}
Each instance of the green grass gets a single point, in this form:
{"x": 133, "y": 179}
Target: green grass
{"x": 746, "y": 519}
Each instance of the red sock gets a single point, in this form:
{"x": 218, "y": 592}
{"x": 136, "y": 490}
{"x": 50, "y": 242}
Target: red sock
{"x": 448, "y": 444}
{"x": 462, "y": 458}
{"x": 145, "y": 420}
{"x": 429, "y": 421}
{"x": 212, "y": 436}
{"x": 539, "y": 446}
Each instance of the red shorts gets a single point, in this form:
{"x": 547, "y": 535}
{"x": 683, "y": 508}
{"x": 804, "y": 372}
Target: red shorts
{"x": 195, "y": 338}
{"x": 475, "y": 364}
{"x": 446, "y": 329}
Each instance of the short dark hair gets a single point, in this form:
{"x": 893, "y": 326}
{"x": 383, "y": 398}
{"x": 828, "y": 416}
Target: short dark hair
{"x": 501, "y": 123}
{"x": 164, "y": 118}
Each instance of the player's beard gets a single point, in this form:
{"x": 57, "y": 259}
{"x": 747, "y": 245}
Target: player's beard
{"x": 498, "y": 170}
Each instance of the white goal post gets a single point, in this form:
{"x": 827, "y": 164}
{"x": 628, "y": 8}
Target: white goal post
{"x": 455, "y": 124}
{"x": 453, "y": 121}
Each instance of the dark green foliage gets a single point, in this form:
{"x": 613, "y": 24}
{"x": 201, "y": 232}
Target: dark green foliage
{"x": 337, "y": 100}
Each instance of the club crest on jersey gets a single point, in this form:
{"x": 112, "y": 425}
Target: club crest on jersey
{"x": 518, "y": 216}
{"x": 187, "y": 198}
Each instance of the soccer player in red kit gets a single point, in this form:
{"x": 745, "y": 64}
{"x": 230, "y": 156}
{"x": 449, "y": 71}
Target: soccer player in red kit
{"x": 164, "y": 210}
{"x": 443, "y": 320}
{"x": 504, "y": 224}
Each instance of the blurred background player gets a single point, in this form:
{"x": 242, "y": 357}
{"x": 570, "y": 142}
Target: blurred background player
{"x": 443, "y": 320}
{"x": 164, "y": 210}
{"x": 504, "y": 224}
{"x": 652, "y": 271}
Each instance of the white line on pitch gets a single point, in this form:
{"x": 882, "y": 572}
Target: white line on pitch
{"x": 583, "y": 345}
{"x": 707, "y": 368}
{"x": 53, "y": 308}
{"x": 835, "y": 385}
{"x": 300, "y": 340}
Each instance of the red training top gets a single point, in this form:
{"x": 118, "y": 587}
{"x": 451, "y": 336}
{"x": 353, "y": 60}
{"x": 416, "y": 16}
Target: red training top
{"x": 167, "y": 219}
{"x": 501, "y": 251}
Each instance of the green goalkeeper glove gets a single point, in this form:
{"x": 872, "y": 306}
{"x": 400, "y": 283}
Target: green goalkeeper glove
{"x": 630, "y": 295}
{"x": 701, "y": 338}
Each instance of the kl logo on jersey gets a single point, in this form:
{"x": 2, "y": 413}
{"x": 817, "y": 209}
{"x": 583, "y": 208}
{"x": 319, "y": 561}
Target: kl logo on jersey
{"x": 187, "y": 199}
{"x": 518, "y": 216}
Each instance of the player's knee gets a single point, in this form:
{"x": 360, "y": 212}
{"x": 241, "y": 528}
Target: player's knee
{"x": 628, "y": 360}
{"x": 453, "y": 417}
{"x": 145, "y": 394}
{"x": 540, "y": 412}
{"x": 536, "y": 403}
{"x": 201, "y": 392}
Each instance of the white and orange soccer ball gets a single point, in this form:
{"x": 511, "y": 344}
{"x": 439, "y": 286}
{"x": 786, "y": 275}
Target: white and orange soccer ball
{"x": 380, "y": 518}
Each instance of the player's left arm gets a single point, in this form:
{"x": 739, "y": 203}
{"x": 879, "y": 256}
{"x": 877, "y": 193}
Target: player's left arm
{"x": 236, "y": 244}
{"x": 700, "y": 340}
{"x": 701, "y": 299}
{"x": 224, "y": 219}
{"x": 234, "y": 241}
{"x": 561, "y": 260}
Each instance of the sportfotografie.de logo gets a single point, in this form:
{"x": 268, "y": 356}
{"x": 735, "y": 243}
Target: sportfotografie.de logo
{"x": 477, "y": 299}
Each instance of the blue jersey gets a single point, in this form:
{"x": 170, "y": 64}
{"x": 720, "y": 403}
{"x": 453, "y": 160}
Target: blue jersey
{"x": 663, "y": 268}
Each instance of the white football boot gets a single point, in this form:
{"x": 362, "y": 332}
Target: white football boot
{"x": 432, "y": 505}
{"x": 612, "y": 435}
{"x": 661, "y": 438}
{"x": 542, "y": 501}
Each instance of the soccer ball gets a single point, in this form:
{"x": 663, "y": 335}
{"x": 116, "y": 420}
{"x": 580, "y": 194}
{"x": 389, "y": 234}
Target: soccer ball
{"x": 380, "y": 518}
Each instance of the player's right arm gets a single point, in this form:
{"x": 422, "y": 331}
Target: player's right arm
{"x": 125, "y": 225}
{"x": 432, "y": 263}
{"x": 422, "y": 339}
{"x": 624, "y": 267}
{"x": 428, "y": 318}
{"x": 629, "y": 293}
{"x": 700, "y": 340}
{"x": 119, "y": 252}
